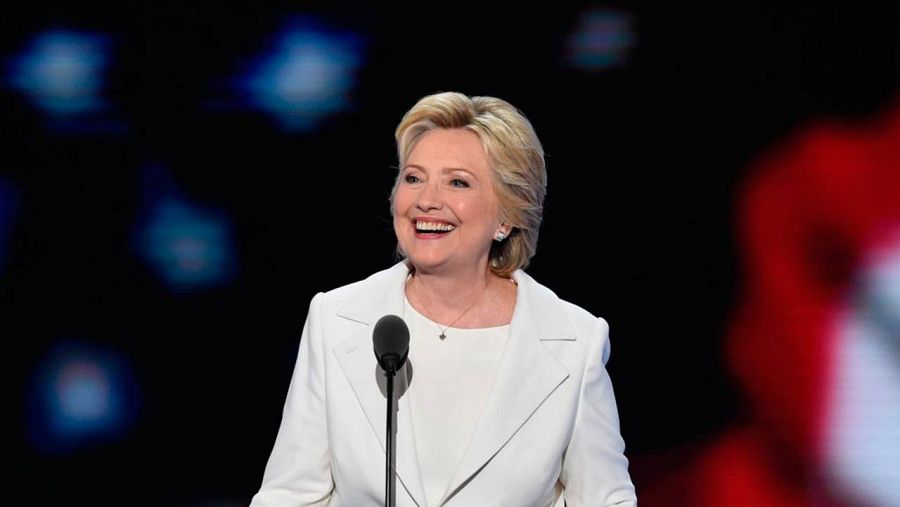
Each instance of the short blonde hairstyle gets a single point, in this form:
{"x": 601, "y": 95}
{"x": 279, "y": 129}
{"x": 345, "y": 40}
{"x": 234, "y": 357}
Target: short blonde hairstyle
{"x": 514, "y": 152}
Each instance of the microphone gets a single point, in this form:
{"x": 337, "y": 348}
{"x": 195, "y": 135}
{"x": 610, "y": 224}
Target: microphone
{"x": 390, "y": 339}
{"x": 391, "y": 342}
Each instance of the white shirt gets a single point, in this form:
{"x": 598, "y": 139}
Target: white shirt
{"x": 450, "y": 382}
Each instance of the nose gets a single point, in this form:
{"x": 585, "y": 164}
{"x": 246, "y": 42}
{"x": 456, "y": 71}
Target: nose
{"x": 429, "y": 197}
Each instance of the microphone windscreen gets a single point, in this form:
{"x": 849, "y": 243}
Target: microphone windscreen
{"x": 390, "y": 337}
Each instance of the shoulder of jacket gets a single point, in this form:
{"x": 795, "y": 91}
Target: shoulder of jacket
{"x": 584, "y": 324}
{"x": 336, "y": 297}
{"x": 583, "y": 318}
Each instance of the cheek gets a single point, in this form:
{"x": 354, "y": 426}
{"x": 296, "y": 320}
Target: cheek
{"x": 398, "y": 221}
{"x": 481, "y": 212}
{"x": 401, "y": 234}
{"x": 401, "y": 203}
{"x": 399, "y": 210}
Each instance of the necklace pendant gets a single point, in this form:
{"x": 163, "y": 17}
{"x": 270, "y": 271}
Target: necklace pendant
{"x": 442, "y": 336}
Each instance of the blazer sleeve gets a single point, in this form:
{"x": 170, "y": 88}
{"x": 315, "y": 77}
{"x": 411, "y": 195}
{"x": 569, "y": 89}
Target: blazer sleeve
{"x": 299, "y": 469}
{"x": 595, "y": 470}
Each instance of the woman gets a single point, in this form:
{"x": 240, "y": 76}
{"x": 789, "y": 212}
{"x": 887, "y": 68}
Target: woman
{"x": 506, "y": 399}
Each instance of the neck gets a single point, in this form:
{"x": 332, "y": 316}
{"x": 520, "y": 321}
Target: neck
{"x": 447, "y": 295}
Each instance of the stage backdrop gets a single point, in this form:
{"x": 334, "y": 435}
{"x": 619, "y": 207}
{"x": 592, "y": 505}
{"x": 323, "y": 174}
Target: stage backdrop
{"x": 177, "y": 181}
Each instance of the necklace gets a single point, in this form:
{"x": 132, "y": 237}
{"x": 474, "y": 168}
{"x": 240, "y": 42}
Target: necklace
{"x": 443, "y": 335}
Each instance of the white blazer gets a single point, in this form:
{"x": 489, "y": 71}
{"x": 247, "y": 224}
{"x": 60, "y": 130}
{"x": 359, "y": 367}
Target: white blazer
{"x": 549, "y": 433}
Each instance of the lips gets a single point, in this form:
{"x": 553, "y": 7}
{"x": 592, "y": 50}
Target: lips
{"x": 432, "y": 228}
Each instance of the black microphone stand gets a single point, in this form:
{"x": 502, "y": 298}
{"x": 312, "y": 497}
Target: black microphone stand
{"x": 389, "y": 372}
{"x": 390, "y": 341}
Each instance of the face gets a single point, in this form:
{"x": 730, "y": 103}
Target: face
{"x": 445, "y": 210}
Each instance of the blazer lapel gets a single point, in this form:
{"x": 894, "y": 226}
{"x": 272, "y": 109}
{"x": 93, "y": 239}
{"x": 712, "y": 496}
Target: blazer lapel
{"x": 380, "y": 295}
{"x": 527, "y": 375}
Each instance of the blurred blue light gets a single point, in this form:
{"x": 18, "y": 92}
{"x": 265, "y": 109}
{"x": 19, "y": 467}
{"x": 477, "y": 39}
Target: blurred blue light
{"x": 189, "y": 246}
{"x": 61, "y": 71}
{"x": 81, "y": 395}
{"x": 602, "y": 39}
{"x": 9, "y": 204}
{"x": 306, "y": 74}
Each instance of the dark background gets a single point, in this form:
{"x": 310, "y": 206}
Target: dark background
{"x": 644, "y": 161}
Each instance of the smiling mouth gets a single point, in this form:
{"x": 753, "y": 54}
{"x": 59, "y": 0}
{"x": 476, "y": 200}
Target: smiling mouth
{"x": 439, "y": 228}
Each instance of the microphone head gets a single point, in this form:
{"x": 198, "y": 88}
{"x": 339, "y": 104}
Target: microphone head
{"x": 391, "y": 341}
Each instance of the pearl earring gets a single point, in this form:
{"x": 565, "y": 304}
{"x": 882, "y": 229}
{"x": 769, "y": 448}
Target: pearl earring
{"x": 500, "y": 236}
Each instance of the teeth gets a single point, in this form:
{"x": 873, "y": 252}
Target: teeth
{"x": 434, "y": 226}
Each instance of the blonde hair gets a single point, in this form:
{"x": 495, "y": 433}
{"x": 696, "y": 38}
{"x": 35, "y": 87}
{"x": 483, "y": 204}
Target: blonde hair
{"x": 516, "y": 157}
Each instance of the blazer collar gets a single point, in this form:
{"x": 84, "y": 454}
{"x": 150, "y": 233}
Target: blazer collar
{"x": 528, "y": 372}
{"x": 382, "y": 293}
{"x": 378, "y": 295}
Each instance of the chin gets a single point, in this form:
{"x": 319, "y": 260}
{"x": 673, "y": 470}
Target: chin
{"x": 425, "y": 264}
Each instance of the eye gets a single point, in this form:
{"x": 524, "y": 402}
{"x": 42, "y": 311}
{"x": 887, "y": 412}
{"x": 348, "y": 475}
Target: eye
{"x": 411, "y": 178}
{"x": 456, "y": 182}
